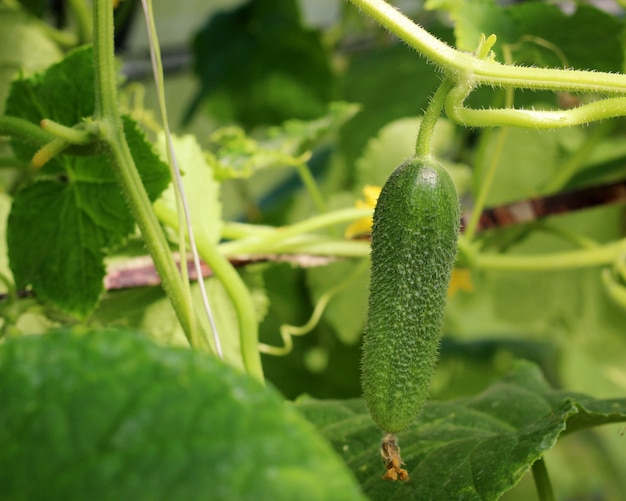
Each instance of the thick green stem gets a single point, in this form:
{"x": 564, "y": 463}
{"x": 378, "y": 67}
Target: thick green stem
{"x": 537, "y": 119}
{"x": 182, "y": 209}
{"x": 405, "y": 29}
{"x": 111, "y": 132}
{"x": 72, "y": 135}
{"x": 49, "y": 151}
{"x": 64, "y": 138}
{"x": 318, "y": 245}
{"x": 542, "y": 481}
{"x": 105, "y": 76}
{"x": 431, "y": 115}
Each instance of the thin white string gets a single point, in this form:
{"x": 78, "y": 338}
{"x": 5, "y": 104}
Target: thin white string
{"x": 155, "y": 58}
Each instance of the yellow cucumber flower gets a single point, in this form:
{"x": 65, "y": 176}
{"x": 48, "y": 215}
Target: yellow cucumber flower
{"x": 364, "y": 226}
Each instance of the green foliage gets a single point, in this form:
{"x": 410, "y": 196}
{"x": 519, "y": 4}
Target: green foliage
{"x": 351, "y": 297}
{"x": 35, "y": 7}
{"x": 261, "y": 66}
{"x": 76, "y": 203}
{"x": 110, "y": 415}
{"x": 470, "y": 448}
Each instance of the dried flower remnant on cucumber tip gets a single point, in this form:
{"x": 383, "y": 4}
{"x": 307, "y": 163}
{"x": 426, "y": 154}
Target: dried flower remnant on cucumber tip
{"x": 390, "y": 452}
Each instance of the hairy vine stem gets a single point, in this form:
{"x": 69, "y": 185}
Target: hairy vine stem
{"x": 470, "y": 71}
{"x": 111, "y": 133}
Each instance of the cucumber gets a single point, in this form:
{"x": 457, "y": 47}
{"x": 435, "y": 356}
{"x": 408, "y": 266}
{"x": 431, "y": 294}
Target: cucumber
{"x": 414, "y": 238}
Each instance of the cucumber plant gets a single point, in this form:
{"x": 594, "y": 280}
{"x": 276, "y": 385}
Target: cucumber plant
{"x": 416, "y": 220}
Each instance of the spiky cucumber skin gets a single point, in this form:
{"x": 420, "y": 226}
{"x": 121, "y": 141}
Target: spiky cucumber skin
{"x": 414, "y": 238}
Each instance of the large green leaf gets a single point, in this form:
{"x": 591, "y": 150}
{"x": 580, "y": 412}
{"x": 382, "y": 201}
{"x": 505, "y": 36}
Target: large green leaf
{"x": 108, "y": 415}
{"x": 470, "y": 448}
{"x": 62, "y": 225}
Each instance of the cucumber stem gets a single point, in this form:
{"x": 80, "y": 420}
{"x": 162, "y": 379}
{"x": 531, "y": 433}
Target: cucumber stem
{"x": 111, "y": 132}
{"x": 423, "y": 145}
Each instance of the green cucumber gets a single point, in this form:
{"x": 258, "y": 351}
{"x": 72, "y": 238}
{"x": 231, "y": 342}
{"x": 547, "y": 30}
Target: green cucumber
{"x": 414, "y": 238}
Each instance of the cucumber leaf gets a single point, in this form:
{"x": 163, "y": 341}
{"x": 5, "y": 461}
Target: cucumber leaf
{"x": 62, "y": 226}
{"x": 109, "y": 415}
{"x": 455, "y": 449}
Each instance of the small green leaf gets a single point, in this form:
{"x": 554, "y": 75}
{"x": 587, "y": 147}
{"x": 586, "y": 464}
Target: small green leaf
{"x": 108, "y": 415}
{"x": 470, "y": 448}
